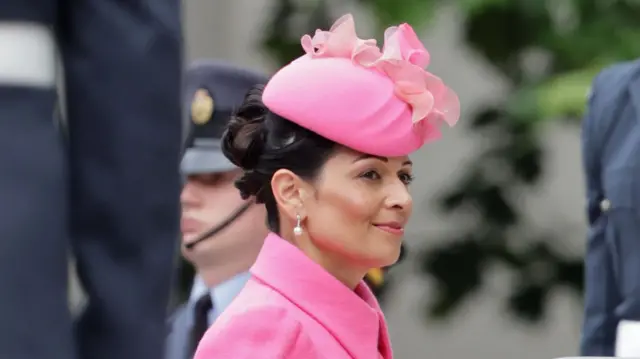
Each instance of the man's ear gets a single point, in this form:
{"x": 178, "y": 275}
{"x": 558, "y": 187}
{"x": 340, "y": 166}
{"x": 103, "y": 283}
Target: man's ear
{"x": 288, "y": 192}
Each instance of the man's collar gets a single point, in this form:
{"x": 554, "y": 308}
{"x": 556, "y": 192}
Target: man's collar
{"x": 198, "y": 289}
{"x": 231, "y": 286}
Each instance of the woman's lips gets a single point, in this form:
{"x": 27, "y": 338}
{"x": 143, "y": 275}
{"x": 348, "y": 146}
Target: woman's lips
{"x": 394, "y": 228}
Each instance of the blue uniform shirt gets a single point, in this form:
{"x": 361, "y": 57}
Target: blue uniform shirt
{"x": 221, "y": 295}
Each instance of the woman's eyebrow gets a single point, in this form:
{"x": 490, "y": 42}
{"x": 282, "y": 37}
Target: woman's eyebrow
{"x": 365, "y": 156}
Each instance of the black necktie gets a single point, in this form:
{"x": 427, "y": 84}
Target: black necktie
{"x": 200, "y": 320}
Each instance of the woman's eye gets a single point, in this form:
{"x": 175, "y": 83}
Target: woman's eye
{"x": 406, "y": 178}
{"x": 371, "y": 175}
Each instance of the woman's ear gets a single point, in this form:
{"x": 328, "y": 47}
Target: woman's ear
{"x": 288, "y": 192}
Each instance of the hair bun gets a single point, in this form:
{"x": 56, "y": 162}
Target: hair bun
{"x": 244, "y": 140}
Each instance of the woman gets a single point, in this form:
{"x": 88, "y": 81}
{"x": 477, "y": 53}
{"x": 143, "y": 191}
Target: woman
{"x": 324, "y": 145}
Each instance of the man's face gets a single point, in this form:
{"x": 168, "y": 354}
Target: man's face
{"x": 209, "y": 199}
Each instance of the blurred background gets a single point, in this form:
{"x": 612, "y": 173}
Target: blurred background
{"x": 493, "y": 266}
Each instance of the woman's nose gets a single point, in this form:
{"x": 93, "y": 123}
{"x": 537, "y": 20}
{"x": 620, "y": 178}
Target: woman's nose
{"x": 399, "y": 197}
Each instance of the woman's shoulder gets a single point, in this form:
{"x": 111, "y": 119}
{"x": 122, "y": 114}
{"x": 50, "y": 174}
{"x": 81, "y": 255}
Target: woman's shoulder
{"x": 259, "y": 299}
{"x": 270, "y": 330}
{"x": 259, "y": 305}
{"x": 256, "y": 314}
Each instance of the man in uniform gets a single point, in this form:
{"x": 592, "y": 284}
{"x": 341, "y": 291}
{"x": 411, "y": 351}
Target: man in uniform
{"x": 112, "y": 189}
{"x": 611, "y": 152}
{"x": 210, "y": 199}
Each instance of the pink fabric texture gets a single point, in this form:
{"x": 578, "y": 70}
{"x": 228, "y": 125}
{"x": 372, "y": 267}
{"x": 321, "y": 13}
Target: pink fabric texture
{"x": 291, "y": 308}
{"x": 377, "y": 101}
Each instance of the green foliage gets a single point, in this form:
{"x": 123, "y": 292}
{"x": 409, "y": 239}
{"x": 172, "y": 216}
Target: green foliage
{"x": 392, "y": 12}
{"x": 575, "y": 38}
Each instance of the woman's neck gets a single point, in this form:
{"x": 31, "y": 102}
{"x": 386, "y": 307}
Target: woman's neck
{"x": 348, "y": 277}
{"x": 348, "y": 274}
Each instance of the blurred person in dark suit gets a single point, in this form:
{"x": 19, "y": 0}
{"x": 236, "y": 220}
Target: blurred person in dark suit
{"x": 209, "y": 198}
{"x": 111, "y": 187}
{"x": 611, "y": 152}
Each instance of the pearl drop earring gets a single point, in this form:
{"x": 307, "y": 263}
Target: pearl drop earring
{"x": 297, "y": 230}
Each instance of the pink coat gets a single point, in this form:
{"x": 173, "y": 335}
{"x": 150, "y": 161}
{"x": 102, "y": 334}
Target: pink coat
{"x": 291, "y": 308}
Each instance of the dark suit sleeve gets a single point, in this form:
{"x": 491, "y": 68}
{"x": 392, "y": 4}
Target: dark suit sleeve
{"x": 601, "y": 294}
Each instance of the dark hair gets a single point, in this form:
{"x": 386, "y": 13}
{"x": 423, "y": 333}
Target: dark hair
{"x": 261, "y": 142}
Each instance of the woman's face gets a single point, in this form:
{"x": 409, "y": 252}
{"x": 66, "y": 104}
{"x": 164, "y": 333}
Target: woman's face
{"x": 359, "y": 209}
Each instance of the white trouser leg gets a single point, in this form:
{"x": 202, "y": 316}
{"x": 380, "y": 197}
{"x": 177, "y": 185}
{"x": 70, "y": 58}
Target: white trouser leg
{"x": 628, "y": 339}
{"x": 27, "y": 55}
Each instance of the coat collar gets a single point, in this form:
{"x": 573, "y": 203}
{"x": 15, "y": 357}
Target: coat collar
{"x": 354, "y": 318}
{"x": 634, "y": 87}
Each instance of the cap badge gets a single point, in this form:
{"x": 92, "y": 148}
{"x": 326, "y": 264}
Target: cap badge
{"x": 201, "y": 107}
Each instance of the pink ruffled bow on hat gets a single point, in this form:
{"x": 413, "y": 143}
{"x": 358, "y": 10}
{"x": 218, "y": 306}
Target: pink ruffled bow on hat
{"x": 376, "y": 101}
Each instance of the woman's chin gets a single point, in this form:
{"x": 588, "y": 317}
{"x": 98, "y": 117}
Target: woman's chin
{"x": 386, "y": 260}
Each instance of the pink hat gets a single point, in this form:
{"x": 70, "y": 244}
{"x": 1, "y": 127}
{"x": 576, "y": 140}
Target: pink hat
{"x": 379, "y": 102}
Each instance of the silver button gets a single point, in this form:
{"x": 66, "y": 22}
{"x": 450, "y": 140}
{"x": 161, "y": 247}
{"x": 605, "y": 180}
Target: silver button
{"x": 605, "y": 205}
